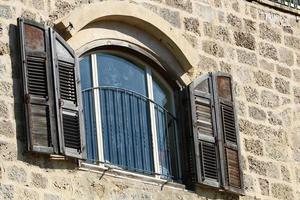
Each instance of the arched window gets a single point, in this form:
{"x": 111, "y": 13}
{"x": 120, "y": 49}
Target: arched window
{"x": 129, "y": 113}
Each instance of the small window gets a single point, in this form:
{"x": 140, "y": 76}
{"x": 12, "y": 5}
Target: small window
{"x": 129, "y": 114}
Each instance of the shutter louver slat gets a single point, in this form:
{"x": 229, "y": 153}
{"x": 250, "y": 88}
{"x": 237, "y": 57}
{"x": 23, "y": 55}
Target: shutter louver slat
{"x": 234, "y": 178}
{"x": 209, "y": 161}
{"x": 229, "y": 123}
{"x": 71, "y": 131}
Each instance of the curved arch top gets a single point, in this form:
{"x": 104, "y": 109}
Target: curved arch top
{"x": 137, "y": 16}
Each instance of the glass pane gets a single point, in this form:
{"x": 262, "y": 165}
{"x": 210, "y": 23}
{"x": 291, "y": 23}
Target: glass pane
{"x": 164, "y": 125}
{"x": 34, "y": 38}
{"x": 85, "y": 73}
{"x": 126, "y": 130}
{"x": 118, "y": 72}
{"x": 224, "y": 87}
{"x": 124, "y": 114}
{"x": 88, "y": 108}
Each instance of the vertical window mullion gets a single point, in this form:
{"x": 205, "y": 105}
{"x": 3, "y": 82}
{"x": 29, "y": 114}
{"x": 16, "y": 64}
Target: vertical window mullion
{"x": 96, "y": 101}
{"x": 153, "y": 122}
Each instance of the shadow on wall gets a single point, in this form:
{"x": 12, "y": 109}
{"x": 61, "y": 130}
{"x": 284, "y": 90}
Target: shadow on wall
{"x": 43, "y": 161}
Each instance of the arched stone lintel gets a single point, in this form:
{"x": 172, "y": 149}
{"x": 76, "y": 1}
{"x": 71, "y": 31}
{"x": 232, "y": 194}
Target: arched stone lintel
{"x": 137, "y": 16}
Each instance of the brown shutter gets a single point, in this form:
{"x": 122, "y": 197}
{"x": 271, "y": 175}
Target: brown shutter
{"x": 227, "y": 132}
{"x": 68, "y": 97}
{"x": 204, "y": 131}
{"x": 37, "y": 87}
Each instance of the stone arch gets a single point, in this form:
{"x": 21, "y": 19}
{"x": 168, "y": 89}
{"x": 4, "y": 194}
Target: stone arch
{"x": 138, "y": 17}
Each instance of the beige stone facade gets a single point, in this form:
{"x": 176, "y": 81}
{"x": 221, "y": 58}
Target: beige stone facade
{"x": 257, "y": 44}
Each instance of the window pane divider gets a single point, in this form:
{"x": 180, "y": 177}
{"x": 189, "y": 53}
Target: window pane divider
{"x": 96, "y": 96}
{"x": 153, "y": 123}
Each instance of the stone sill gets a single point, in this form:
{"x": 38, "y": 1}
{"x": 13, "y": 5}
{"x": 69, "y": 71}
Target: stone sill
{"x": 120, "y": 173}
{"x": 278, "y": 6}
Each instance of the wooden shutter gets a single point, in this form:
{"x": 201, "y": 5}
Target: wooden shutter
{"x": 204, "y": 131}
{"x": 37, "y": 87}
{"x": 227, "y": 132}
{"x": 68, "y": 98}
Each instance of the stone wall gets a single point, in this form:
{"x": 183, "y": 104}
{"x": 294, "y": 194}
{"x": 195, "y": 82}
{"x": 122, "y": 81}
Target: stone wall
{"x": 258, "y": 45}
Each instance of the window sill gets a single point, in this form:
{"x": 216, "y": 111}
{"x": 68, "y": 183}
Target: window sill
{"x": 278, "y": 6}
{"x": 120, "y": 173}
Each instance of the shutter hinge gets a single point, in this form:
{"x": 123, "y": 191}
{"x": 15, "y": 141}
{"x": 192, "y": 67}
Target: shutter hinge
{"x": 61, "y": 102}
{"x": 27, "y": 98}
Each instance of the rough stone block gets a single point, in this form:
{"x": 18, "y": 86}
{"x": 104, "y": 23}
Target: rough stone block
{"x": 297, "y": 94}
{"x": 276, "y": 151}
{"x": 284, "y": 71}
{"x": 216, "y": 32}
{"x": 285, "y": 173}
{"x": 6, "y": 192}
{"x": 7, "y": 128}
{"x": 257, "y": 166}
{"x": 61, "y": 183}
{"x": 269, "y": 99}
{"x": 257, "y": 113}
{"x": 26, "y": 14}
{"x": 225, "y": 67}
{"x": 266, "y": 65}
{"x": 5, "y": 12}
{"x": 207, "y": 64}
{"x": 38, "y": 180}
{"x": 252, "y": 94}
{"x": 191, "y": 24}
{"x": 4, "y": 112}
{"x": 296, "y": 73}
{"x": 191, "y": 39}
{"x": 248, "y": 183}
{"x": 205, "y": 12}
{"x": 249, "y": 26}
{"x": 292, "y": 42}
{"x": 245, "y": 57}
{"x": 4, "y": 48}
{"x": 7, "y": 151}
{"x": 282, "y": 191}
{"x": 263, "y": 79}
{"x": 274, "y": 118}
{"x": 38, "y": 4}
{"x": 6, "y": 89}
{"x": 17, "y": 174}
{"x": 241, "y": 108}
{"x": 286, "y": 56}
{"x": 245, "y": 40}
{"x": 282, "y": 85}
{"x": 254, "y": 146}
{"x": 181, "y": 4}
{"x": 51, "y": 197}
{"x": 172, "y": 17}
{"x": 264, "y": 186}
{"x": 213, "y": 48}
{"x": 268, "y": 51}
{"x": 269, "y": 33}
{"x": 234, "y": 21}
{"x": 288, "y": 29}
{"x": 26, "y": 194}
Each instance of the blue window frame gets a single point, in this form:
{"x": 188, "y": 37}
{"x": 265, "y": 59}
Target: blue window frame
{"x": 129, "y": 114}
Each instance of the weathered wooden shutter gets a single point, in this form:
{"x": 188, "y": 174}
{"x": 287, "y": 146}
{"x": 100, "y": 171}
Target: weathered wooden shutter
{"x": 38, "y": 87}
{"x": 68, "y": 98}
{"x": 204, "y": 131}
{"x": 227, "y": 132}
